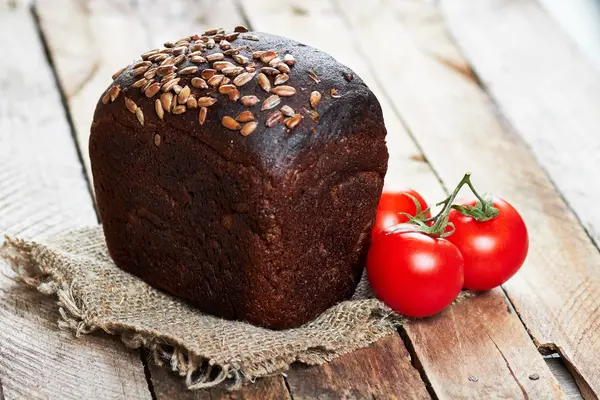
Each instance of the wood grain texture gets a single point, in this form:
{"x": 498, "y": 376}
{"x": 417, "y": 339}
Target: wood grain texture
{"x": 546, "y": 87}
{"x": 320, "y": 24}
{"x": 564, "y": 377}
{"x": 168, "y": 386}
{"x": 89, "y": 40}
{"x": 557, "y": 292}
{"x": 43, "y": 191}
{"x": 380, "y": 371}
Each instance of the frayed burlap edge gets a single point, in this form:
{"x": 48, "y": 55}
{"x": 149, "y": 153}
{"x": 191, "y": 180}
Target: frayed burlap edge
{"x": 199, "y": 371}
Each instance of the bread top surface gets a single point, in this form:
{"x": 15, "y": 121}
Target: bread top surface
{"x": 324, "y": 100}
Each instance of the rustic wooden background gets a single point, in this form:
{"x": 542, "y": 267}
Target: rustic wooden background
{"x": 496, "y": 87}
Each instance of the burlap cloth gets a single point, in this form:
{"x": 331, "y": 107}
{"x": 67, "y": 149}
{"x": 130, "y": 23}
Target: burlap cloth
{"x": 93, "y": 293}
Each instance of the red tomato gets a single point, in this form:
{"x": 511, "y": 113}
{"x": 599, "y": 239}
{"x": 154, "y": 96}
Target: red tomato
{"x": 493, "y": 250}
{"x": 414, "y": 274}
{"x": 393, "y": 203}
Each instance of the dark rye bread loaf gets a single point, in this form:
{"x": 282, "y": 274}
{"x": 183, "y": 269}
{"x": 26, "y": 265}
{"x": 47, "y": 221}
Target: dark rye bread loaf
{"x": 266, "y": 219}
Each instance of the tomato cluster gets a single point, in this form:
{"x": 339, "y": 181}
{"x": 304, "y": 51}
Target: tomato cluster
{"x": 418, "y": 265}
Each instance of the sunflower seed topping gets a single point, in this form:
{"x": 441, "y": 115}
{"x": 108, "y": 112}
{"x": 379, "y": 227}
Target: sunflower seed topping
{"x": 315, "y": 98}
{"x": 183, "y": 95}
{"x": 231, "y": 123}
{"x": 231, "y": 52}
{"x": 177, "y": 89}
{"x": 264, "y": 82}
{"x": 292, "y": 122}
{"x": 148, "y": 54}
{"x": 188, "y": 71}
{"x": 152, "y": 89}
{"x": 251, "y": 37}
{"x": 210, "y": 44}
{"x": 240, "y": 28}
{"x": 287, "y": 111}
{"x": 314, "y": 76}
{"x": 170, "y": 85}
{"x": 271, "y": 102}
{"x": 139, "y": 71}
{"x": 198, "y": 59}
{"x": 215, "y": 57}
{"x": 232, "y": 71}
{"x": 243, "y": 78}
{"x": 140, "y": 115}
{"x": 114, "y": 92}
{"x": 179, "y": 110}
{"x": 151, "y": 73}
{"x": 159, "y": 110}
{"x": 274, "y": 118}
{"x": 232, "y": 36}
{"x": 245, "y": 116}
{"x": 179, "y": 59}
{"x": 283, "y": 68}
{"x": 249, "y": 101}
{"x": 147, "y": 85}
{"x": 224, "y": 45}
{"x": 268, "y": 56}
{"x": 240, "y": 59}
{"x": 211, "y": 32}
{"x": 281, "y": 78}
{"x": 269, "y": 71}
{"x": 140, "y": 83}
{"x": 215, "y": 81}
{"x": 168, "y": 77}
{"x": 191, "y": 103}
{"x": 165, "y": 69}
{"x": 202, "y": 115}
{"x": 206, "y": 101}
{"x": 234, "y": 95}
{"x": 220, "y": 65}
{"x": 248, "y": 128}
{"x": 224, "y": 89}
{"x": 289, "y": 59}
{"x": 199, "y": 83}
{"x": 208, "y": 73}
{"x": 334, "y": 93}
{"x": 284, "y": 91}
{"x": 142, "y": 64}
{"x": 180, "y": 50}
{"x": 130, "y": 104}
{"x": 166, "y": 100}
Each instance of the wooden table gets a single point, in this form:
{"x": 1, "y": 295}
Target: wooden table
{"x": 489, "y": 86}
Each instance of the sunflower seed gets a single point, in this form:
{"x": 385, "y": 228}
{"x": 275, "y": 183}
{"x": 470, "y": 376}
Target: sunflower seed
{"x": 218, "y": 37}
{"x": 287, "y": 111}
{"x": 269, "y": 71}
{"x": 232, "y": 36}
{"x": 225, "y": 81}
{"x": 165, "y": 70}
{"x": 264, "y": 82}
{"x": 170, "y": 85}
{"x": 231, "y": 123}
{"x": 275, "y": 62}
{"x": 130, "y": 104}
{"x": 283, "y": 68}
{"x": 168, "y": 45}
{"x": 258, "y": 54}
{"x": 142, "y": 64}
{"x": 249, "y": 101}
{"x": 180, "y": 50}
{"x": 168, "y": 77}
{"x": 204, "y": 39}
{"x": 284, "y": 91}
{"x": 167, "y": 61}
{"x": 159, "y": 109}
{"x": 215, "y": 81}
{"x": 210, "y": 44}
{"x": 281, "y": 78}
{"x": 313, "y": 114}
{"x": 211, "y": 32}
{"x": 195, "y": 53}
{"x": 334, "y": 93}
{"x": 191, "y": 103}
{"x": 199, "y": 83}
{"x": 183, "y": 95}
{"x": 140, "y": 83}
{"x": 166, "y": 100}
{"x": 198, "y": 46}
{"x": 224, "y": 45}
{"x": 179, "y": 110}
{"x": 220, "y": 65}
{"x": 234, "y": 95}
{"x": 243, "y": 78}
{"x": 251, "y": 37}
{"x": 208, "y": 73}
{"x": 177, "y": 89}
{"x": 274, "y": 118}
{"x": 185, "y": 39}
{"x": 215, "y": 57}
{"x": 147, "y": 85}
{"x": 232, "y": 71}
{"x": 148, "y": 54}
{"x": 314, "y": 76}
{"x": 289, "y": 59}
{"x": 292, "y": 122}
{"x": 271, "y": 102}
{"x": 188, "y": 71}
{"x": 140, "y": 115}
{"x": 158, "y": 58}
{"x": 151, "y": 73}
{"x": 179, "y": 59}
{"x": 240, "y": 59}
{"x": 165, "y": 51}
{"x": 245, "y": 116}
{"x": 114, "y": 92}
{"x": 248, "y": 128}
{"x": 315, "y": 98}
{"x": 139, "y": 71}
{"x": 231, "y": 52}
{"x": 198, "y": 60}
{"x": 268, "y": 56}
{"x": 206, "y": 101}
{"x": 224, "y": 89}
{"x": 182, "y": 43}
{"x": 106, "y": 97}
{"x": 152, "y": 89}
{"x": 240, "y": 28}
{"x": 202, "y": 115}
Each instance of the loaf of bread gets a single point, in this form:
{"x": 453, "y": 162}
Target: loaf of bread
{"x": 241, "y": 172}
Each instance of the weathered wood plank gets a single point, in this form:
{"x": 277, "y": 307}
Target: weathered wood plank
{"x": 557, "y": 293}
{"x": 91, "y": 39}
{"x": 380, "y": 371}
{"x": 320, "y": 24}
{"x": 168, "y": 386}
{"x": 43, "y": 191}
{"x": 546, "y": 87}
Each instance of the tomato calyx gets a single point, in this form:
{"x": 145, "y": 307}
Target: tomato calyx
{"x": 439, "y": 225}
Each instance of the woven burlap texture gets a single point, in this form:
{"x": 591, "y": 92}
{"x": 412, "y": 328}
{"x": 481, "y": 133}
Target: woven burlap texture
{"x": 93, "y": 293}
